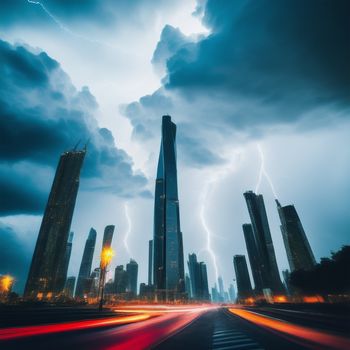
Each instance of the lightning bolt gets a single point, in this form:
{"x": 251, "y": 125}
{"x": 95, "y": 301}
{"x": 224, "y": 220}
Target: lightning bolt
{"x": 128, "y": 230}
{"x": 263, "y": 172}
{"x": 63, "y": 27}
{"x": 209, "y": 185}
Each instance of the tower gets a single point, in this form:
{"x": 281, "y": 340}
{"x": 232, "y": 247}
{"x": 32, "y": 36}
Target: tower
{"x": 132, "y": 270}
{"x": 83, "y": 284}
{"x": 299, "y": 253}
{"x": 150, "y": 262}
{"x": 168, "y": 261}
{"x": 107, "y": 236}
{"x": 44, "y": 278}
{"x": 242, "y": 276}
{"x": 262, "y": 237}
{"x": 64, "y": 267}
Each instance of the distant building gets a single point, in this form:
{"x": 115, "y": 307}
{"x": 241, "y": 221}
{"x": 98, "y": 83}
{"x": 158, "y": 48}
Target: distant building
{"x": 242, "y": 276}
{"x": 150, "y": 262}
{"x": 83, "y": 283}
{"x": 221, "y": 287}
{"x": 45, "y": 278}
{"x": 69, "y": 287}
{"x": 232, "y": 293}
{"x": 262, "y": 236}
{"x": 64, "y": 267}
{"x": 132, "y": 271}
{"x": 256, "y": 263}
{"x": 107, "y": 236}
{"x": 120, "y": 280}
{"x": 198, "y": 278}
{"x": 188, "y": 286}
{"x": 299, "y": 253}
{"x": 215, "y": 296}
{"x": 146, "y": 292}
{"x": 93, "y": 283}
{"x": 168, "y": 260}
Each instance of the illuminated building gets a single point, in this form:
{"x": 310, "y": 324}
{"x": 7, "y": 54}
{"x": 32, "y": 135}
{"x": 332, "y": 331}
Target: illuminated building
{"x": 83, "y": 284}
{"x": 69, "y": 287}
{"x": 244, "y": 286}
{"x": 299, "y": 253}
{"x": 44, "y": 276}
{"x": 150, "y": 262}
{"x": 132, "y": 270}
{"x": 262, "y": 236}
{"x": 253, "y": 255}
{"x": 168, "y": 260}
{"x": 107, "y": 236}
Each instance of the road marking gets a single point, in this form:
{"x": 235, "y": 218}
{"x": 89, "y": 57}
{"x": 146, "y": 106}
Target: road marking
{"x": 239, "y": 346}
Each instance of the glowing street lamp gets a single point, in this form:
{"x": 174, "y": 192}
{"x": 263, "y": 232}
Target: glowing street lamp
{"x": 106, "y": 258}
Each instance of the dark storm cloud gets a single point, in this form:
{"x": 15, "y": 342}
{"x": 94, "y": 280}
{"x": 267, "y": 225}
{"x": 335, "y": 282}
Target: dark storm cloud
{"x": 14, "y": 261}
{"x": 264, "y": 63}
{"x": 42, "y": 115}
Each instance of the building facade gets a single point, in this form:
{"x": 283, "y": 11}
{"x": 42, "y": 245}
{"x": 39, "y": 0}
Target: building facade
{"x": 132, "y": 269}
{"x": 299, "y": 253}
{"x": 45, "y": 278}
{"x": 244, "y": 286}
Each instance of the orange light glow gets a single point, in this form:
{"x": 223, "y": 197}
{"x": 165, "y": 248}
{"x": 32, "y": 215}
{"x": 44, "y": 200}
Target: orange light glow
{"x": 313, "y": 299}
{"x": 106, "y": 257}
{"x": 280, "y": 299}
{"x": 296, "y": 332}
{"x": 6, "y": 283}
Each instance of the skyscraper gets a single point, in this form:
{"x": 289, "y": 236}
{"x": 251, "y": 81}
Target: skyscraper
{"x": 204, "y": 287}
{"x": 107, "y": 236}
{"x": 254, "y": 259}
{"x": 221, "y": 287}
{"x": 262, "y": 236}
{"x": 150, "y": 262}
{"x": 44, "y": 278}
{"x": 188, "y": 286}
{"x": 64, "y": 267}
{"x": 83, "y": 285}
{"x": 242, "y": 276}
{"x": 132, "y": 269}
{"x": 168, "y": 261}
{"x": 232, "y": 293}
{"x": 299, "y": 253}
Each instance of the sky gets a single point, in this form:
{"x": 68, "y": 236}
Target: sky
{"x": 249, "y": 84}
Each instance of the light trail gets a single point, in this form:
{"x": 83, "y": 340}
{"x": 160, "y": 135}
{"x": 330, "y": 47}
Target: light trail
{"x": 64, "y": 27}
{"x": 20, "y": 332}
{"x": 128, "y": 231}
{"x": 322, "y": 339}
{"x": 263, "y": 172}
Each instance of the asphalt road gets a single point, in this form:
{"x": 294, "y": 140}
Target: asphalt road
{"x": 187, "y": 328}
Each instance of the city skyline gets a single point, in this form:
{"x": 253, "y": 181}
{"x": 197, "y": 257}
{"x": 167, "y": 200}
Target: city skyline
{"x": 301, "y": 127}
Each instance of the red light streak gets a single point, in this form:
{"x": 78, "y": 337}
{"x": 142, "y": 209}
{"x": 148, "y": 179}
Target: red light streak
{"x": 328, "y": 341}
{"x": 19, "y": 332}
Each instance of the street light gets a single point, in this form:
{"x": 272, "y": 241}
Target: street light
{"x": 106, "y": 258}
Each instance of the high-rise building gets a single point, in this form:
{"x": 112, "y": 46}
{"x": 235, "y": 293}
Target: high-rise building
{"x": 120, "y": 280}
{"x": 204, "y": 287}
{"x": 64, "y": 267}
{"x": 254, "y": 259}
{"x": 232, "y": 293}
{"x": 198, "y": 278}
{"x": 132, "y": 269}
{"x": 69, "y": 287}
{"x": 168, "y": 260}
{"x": 269, "y": 271}
{"x": 299, "y": 253}
{"x": 83, "y": 284}
{"x": 150, "y": 262}
{"x": 242, "y": 276}
{"x": 107, "y": 236}
{"x": 215, "y": 297}
{"x": 44, "y": 278}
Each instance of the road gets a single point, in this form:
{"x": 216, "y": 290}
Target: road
{"x": 184, "y": 327}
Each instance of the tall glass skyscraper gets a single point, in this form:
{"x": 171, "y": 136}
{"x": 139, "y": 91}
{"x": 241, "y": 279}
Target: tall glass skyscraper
{"x": 168, "y": 260}
{"x": 108, "y": 236}
{"x": 83, "y": 284}
{"x": 64, "y": 267}
{"x": 44, "y": 278}
{"x": 299, "y": 253}
{"x": 242, "y": 276}
{"x": 262, "y": 237}
{"x": 132, "y": 269}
